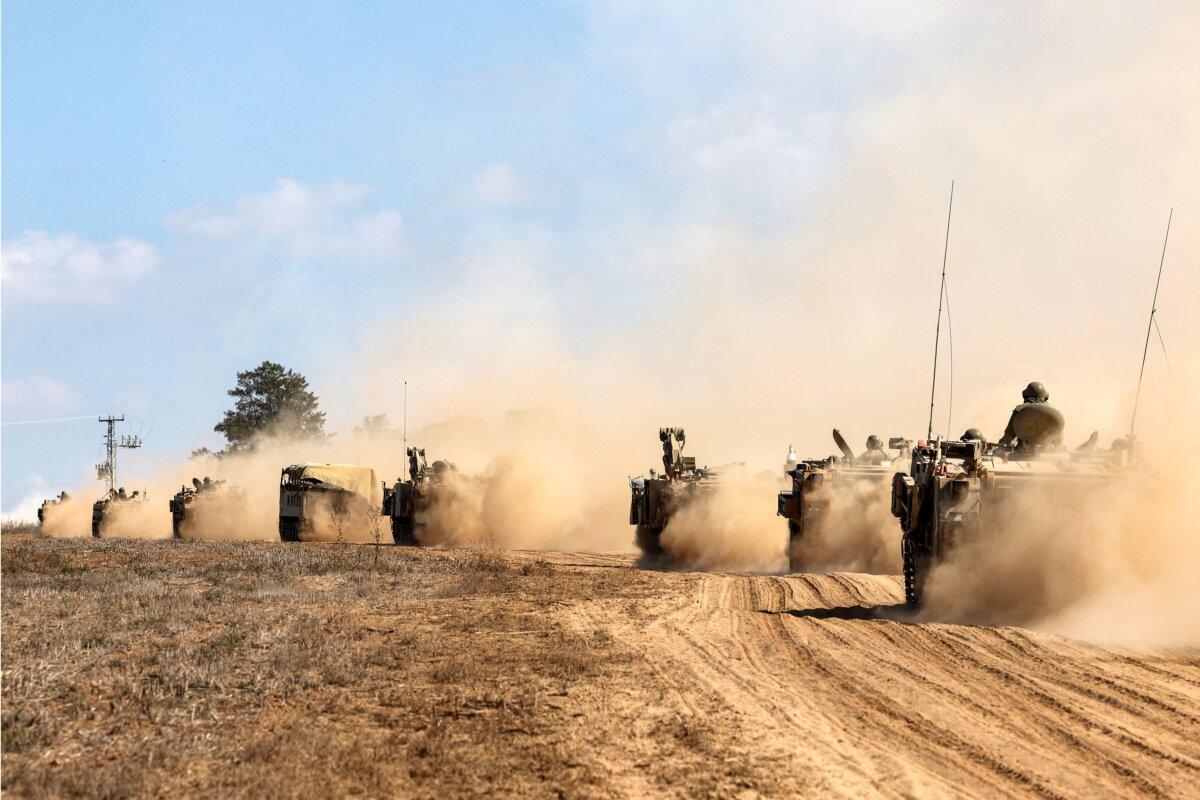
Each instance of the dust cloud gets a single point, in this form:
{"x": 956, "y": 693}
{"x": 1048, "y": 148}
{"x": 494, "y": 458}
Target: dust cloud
{"x": 729, "y": 525}
{"x": 857, "y": 532}
{"x": 68, "y": 519}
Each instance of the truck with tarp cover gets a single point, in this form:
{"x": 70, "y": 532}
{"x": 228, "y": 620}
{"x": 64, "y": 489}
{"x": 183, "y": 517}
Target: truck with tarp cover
{"x": 322, "y": 500}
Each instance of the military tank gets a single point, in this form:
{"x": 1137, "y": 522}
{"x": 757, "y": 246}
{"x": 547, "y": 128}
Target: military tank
{"x": 956, "y": 490}
{"x": 104, "y": 508}
{"x": 203, "y": 494}
{"x": 404, "y": 502}
{"x": 656, "y": 497}
{"x": 316, "y": 497}
{"x": 815, "y": 483}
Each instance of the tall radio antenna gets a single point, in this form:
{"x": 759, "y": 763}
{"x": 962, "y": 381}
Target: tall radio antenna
{"x": 405, "y": 428}
{"x": 941, "y": 296}
{"x": 1152, "y": 324}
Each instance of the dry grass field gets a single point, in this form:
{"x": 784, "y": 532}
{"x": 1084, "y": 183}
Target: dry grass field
{"x": 155, "y": 669}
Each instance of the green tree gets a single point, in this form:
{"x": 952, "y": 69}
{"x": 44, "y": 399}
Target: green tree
{"x": 271, "y": 400}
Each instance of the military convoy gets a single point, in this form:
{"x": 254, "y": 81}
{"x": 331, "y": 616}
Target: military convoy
{"x": 325, "y": 500}
{"x": 203, "y": 495}
{"x": 654, "y": 499}
{"x": 405, "y": 501}
{"x": 959, "y": 490}
{"x": 816, "y": 483}
{"x": 107, "y": 506}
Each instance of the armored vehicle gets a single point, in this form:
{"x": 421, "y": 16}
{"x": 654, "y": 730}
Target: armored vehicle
{"x": 405, "y": 501}
{"x": 957, "y": 490}
{"x": 104, "y": 508}
{"x": 202, "y": 495}
{"x": 320, "y": 499}
{"x": 656, "y": 497}
{"x": 815, "y": 483}
{"x": 48, "y": 506}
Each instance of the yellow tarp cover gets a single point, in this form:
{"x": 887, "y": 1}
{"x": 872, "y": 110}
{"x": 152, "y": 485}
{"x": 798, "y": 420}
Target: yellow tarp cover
{"x": 360, "y": 480}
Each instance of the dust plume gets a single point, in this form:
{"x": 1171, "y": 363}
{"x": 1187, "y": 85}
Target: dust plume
{"x": 729, "y": 525}
{"x": 69, "y": 518}
{"x": 137, "y": 519}
{"x": 856, "y": 531}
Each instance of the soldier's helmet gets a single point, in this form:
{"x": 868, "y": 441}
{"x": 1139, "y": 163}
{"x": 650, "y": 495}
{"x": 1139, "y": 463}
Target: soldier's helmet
{"x": 972, "y": 435}
{"x": 1035, "y": 393}
{"x": 874, "y": 442}
{"x": 440, "y": 468}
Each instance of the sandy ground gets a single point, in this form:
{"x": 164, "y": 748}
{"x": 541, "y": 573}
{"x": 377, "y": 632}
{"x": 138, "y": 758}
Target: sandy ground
{"x": 154, "y": 669}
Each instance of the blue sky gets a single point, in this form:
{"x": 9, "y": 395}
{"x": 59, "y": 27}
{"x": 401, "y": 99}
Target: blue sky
{"x": 189, "y": 188}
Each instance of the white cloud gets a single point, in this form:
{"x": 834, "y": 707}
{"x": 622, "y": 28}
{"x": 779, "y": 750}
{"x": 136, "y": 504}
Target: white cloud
{"x": 499, "y": 185}
{"x": 301, "y": 221}
{"x": 69, "y": 268}
{"x": 38, "y": 396}
{"x": 25, "y": 509}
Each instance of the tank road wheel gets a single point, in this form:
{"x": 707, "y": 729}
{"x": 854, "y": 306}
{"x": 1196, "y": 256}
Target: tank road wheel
{"x": 289, "y": 529}
{"x": 916, "y": 570}
{"x": 403, "y": 532}
{"x": 649, "y": 540}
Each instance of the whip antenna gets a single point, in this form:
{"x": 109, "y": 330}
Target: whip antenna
{"x": 405, "y": 429}
{"x": 941, "y": 295}
{"x": 1152, "y": 325}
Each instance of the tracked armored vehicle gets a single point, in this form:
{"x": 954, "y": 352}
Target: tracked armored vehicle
{"x": 958, "y": 490}
{"x": 203, "y": 495}
{"x": 321, "y": 500}
{"x": 816, "y": 483}
{"x": 404, "y": 502}
{"x": 48, "y": 507}
{"x": 655, "y": 498}
{"x": 108, "y": 505}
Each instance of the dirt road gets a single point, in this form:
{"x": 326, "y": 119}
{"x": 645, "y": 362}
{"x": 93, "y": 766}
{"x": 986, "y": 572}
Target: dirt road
{"x": 565, "y": 674}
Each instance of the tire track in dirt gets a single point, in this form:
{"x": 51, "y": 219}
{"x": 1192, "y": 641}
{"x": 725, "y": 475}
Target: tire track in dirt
{"x": 799, "y": 672}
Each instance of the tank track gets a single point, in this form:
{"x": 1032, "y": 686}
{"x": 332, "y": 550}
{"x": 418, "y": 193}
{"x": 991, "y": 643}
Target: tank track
{"x": 911, "y": 596}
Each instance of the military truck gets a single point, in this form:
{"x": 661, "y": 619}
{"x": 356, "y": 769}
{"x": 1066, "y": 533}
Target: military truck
{"x": 405, "y": 501}
{"x": 325, "y": 500}
{"x": 957, "y": 490}
{"x": 104, "y": 508}
{"x": 655, "y": 498}
{"x": 204, "y": 494}
{"x": 815, "y": 483}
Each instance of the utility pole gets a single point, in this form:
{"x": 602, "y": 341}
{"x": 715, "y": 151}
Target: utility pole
{"x": 107, "y": 470}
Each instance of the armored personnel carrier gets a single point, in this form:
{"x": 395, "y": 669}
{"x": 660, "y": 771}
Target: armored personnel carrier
{"x": 657, "y": 496}
{"x": 815, "y": 483}
{"x": 104, "y": 508}
{"x": 320, "y": 499}
{"x": 955, "y": 490}
{"x": 48, "y": 506}
{"x": 204, "y": 494}
{"x": 405, "y": 501}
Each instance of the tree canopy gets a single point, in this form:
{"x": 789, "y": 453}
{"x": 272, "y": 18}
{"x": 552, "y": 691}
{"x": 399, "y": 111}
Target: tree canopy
{"x": 271, "y": 400}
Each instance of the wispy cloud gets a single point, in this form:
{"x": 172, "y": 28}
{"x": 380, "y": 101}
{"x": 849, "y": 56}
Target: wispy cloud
{"x": 499, "y": 185}
{"x": 68, "y": 268}
{"x": 38, "y": 396}
{"x": 301, "y": 221}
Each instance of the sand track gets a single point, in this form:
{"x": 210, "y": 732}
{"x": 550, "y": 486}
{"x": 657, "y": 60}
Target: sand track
{"x": 827, "y": 677}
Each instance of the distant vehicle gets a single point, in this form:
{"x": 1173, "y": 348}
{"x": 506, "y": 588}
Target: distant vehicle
{"x": 405, "y": 502}
{"x": 315, "y": 498}
{"x": 815, "y": 483}
{"x": 104, "y": 508}
{"x": 48, "y": 505}
{"x": 203, "y": 492}
{"x": 654, "y": 499}
{"x": 954, "y": 491}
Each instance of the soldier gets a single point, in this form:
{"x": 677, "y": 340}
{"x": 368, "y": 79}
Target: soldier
{"x": 875, "y": 454}
{"x": 1034, "y": 424}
